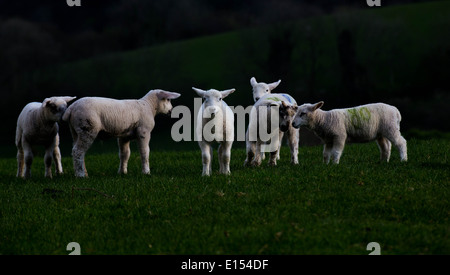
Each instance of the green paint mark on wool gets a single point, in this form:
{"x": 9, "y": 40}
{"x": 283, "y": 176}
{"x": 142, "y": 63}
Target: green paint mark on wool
{"x": 273, "y": 98}
{"x": 358, "y": 116}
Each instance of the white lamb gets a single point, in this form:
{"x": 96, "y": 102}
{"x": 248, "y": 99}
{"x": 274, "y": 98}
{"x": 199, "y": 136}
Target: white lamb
{"x": 215, "y": 122}
{"x": 379, "y": 121}
{"x": 261, "y": 89}
{"x": 124, "y": 119}
{"x": 261, "y": 118}
{"x": 38, "y": 125}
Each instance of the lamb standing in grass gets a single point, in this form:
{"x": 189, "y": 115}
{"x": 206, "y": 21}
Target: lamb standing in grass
{"x": 124, "y": 119}
{"x": 379, "y": 121}
{"x": 38, "y": 125}
{"x": 261, "y": 117}
{"x": 263, "y": 90}
{"x": 215, "y": 122}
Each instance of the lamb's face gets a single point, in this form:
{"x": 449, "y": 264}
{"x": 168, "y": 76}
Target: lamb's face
{"x": 305, "y": 114}
{"x": 54, "y": 107}
{"x": 165, "y": 106}
{"x": 212, "y": 103}
{"x": 261, "y": 89}
{"x": 164, "y": 101}
{"x": 287, "y": 113}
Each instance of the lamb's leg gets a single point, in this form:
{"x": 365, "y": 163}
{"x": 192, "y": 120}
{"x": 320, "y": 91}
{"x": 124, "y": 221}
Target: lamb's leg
{"x": 280, "y": 142}
{"x": 251, "y": 150}
{"x": 257, "y": 156}
{"x": 338, "y": 148}
{"x": 385, "y": 148}
{"x": 144, "y": 149}
{"x": 401, "y": 146}
{"x": 225, "y": 156}
{"x": 327, "y": 147}
{"x": 48, "y": 159}
{"x": 274, "y": 154}
{"x": 57, "y": 159}
{"x": 400, "y": 143}
{"x": 20, "y": 161}
{"x": 248, "y": 149}
{"x": 57, "y": 156}
{"x": 273, "y": 158}
{"x": 219, "y": 153}
{"x": 28, "y": 156}
{"x": 124, "y": 154}
{"x": 293, "y": 138}
{"x": 211, "y": 153}
{"x": 206, "y": 158}
{"x": 82, "y": 144}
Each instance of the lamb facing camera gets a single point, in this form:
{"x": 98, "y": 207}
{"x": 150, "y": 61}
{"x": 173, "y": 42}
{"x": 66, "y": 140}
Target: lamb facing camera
{"x": 38, "y": 125}
{"x": 215, "y": 123}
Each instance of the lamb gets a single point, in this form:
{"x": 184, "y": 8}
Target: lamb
{"x": 379, "y": 121}
{"x": 38, "y": 125}
{"x": 215, "y": 122}
{"x": 124, "y": 119}
{"x": 262, "y": 112}
{"x": 261, "y": 89}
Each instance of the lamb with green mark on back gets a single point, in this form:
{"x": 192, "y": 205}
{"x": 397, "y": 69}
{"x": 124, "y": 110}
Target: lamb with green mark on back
{"x": 379, "y": 122}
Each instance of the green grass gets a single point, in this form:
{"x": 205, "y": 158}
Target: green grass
{"x": 311, "y": 208}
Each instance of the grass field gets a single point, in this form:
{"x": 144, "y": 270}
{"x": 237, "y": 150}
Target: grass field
{"x": 311, "y": 208}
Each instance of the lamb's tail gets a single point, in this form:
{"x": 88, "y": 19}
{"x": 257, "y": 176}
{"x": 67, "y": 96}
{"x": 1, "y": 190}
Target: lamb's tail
{"x": 18, "y": 137}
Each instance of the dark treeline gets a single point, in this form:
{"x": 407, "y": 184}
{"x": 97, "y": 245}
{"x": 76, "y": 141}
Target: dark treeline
{"x": 36, "y": 34}
{"x": 101, "y": 26}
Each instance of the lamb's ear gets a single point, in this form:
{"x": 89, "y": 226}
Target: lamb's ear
{"x": 274, "y": 85}
{"x": 68, "y": 98}
{"x": 253, "y": 81}
{"x": 200, "y": 92}
{"x": 318, "y": 105}
{"x": 168, "y": 95}
{"x": 227, "y": 92}
{"x": 46, "y": 101}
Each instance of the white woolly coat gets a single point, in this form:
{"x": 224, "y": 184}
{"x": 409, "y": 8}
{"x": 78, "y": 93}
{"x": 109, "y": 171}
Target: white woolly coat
{"x": 33, "y": 126}
{"x": 359, "y": 124}
{"x": 117, "y": 118}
